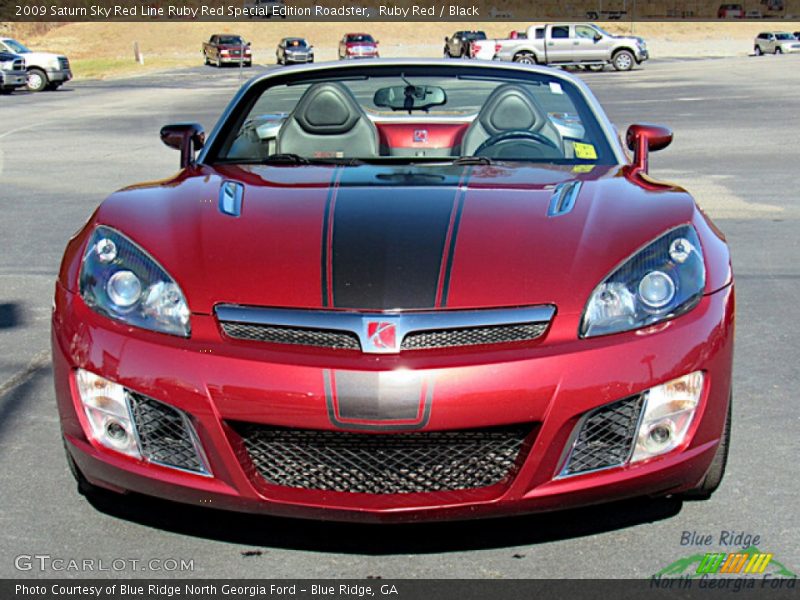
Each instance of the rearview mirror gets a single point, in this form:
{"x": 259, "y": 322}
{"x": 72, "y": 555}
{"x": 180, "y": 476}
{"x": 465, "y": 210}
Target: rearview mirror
{"x": 186, "y": 137}
{"x": 410, "y": 97}
{"x": 643, "y": 139}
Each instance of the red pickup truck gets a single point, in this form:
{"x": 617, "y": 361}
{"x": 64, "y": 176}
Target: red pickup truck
{"x": 225, "y": 48}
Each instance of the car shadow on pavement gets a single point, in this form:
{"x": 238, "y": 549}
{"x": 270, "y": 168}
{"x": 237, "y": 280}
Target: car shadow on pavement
{"x": 382, "y": 539}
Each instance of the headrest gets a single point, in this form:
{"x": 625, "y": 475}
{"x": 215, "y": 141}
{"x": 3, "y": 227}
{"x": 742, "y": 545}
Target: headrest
{"x": 327, "y": 109}
{"x": 510, "y": 107}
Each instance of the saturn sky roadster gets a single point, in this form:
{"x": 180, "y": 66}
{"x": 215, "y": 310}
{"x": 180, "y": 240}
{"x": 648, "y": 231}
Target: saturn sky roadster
{"x": 399, "y": 291}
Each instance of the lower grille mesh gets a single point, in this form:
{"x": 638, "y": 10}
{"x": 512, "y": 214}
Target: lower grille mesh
{"x": 606, "y": 437}
{"x": 291, "y": 335}
{"x": 397, "y": 463}
{"x": 473, "y": 336}
{"x": 163, "y": 433}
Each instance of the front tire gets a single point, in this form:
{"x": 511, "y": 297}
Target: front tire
{"x": 758, "y": 51}
{"x": 778, "y": 50}
{"x": 716, "y": 471}
{"x": 623, "y": 60}
{"x": 37, "y": 80}
{"x": 218, "y": 63}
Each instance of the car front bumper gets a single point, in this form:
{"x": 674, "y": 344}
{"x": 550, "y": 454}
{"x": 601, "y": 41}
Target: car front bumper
{"x": 59, "y": 75}
{"x": 14, "y": 79}
{"x": 548, "y": 386}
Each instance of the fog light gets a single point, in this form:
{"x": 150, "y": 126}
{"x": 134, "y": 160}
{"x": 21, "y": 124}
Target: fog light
{"x": 668, "y": 413}
{"x": 107, "y": 413}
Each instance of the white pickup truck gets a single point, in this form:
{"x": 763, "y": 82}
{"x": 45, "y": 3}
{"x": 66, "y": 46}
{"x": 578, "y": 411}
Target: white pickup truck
{"x": 578, "y": 44}
{"x": 46, "y": 71}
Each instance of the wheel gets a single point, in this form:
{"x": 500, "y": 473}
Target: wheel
{"x": 249, "y": 63}
{"x": 623, "y": 60}
{"x": 716, "y": 471}
{"x": 778, "y": 50}
{"x": 594, "y": 67}
{"x": 447, "y": 53}
{"x": 37, "y": 80}
{"x": 525, "y": 58}
{"x": 218, "y": 63}
{"x": 758, "y": 51}
{"x": 52, "y": 87}
{"x": 206, "y": 62}
{"x": 6, "y": 91}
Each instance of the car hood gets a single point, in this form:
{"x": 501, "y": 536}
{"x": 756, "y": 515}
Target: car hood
{"x": 393, "y": 237}
{"x": 41, "y": 58}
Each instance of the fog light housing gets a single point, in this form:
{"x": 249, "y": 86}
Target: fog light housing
{"x": 668, "y": 414}
{"x": 107, "y": 412}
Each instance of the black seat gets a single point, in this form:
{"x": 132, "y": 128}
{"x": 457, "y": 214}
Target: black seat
{"x": 508, "y": 108}
{"x": 328, "y": 123}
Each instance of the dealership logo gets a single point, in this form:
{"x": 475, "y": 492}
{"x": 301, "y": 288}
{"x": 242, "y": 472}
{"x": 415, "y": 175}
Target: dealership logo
{"x": 381, "y": 337}
{"x": 742, "y": 563}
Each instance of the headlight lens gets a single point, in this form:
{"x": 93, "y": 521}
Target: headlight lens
{"x": 664, "y": 279}
{"x": 121, "y": 281}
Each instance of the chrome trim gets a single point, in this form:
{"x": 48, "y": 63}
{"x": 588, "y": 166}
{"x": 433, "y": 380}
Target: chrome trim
{"x": 230, "y": 198}
{"x": 357, "y": 322}
{"x": 563, "y": 199}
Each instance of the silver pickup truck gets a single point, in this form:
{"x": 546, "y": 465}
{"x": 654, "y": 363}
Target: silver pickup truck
{"x": 579, "y": 44}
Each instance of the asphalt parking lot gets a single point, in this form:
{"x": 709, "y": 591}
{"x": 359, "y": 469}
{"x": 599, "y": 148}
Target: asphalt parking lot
{"x": 735, "y": 148}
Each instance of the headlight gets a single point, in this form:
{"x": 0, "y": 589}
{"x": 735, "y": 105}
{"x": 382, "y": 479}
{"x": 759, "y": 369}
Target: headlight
{"x": 664, "y": 279}
{"x": 121, "y": 281}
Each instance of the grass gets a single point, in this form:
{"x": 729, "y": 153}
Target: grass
{"x": 102, "y": 68}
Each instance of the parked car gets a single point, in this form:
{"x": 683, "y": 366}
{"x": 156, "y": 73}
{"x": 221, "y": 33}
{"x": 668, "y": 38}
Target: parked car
{"x": 730, "y": 11}
{"x": 776, "y": 42}
{"x": 501, "y": 319}
{"x": 294, "y": 50}
{"x": 224, "y": 49}
{"x": 45, "y": 70}
{"x": 581, "y": 44}
{"x": 357, "y": 45}
{"x": 459, "y": 44}
{"x": 753, "y": 14}
{"x": 12, "y": 72}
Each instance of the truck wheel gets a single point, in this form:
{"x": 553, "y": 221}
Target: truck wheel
{"x": 52, "y": 87}
{"x": 206, "y": 62}
{"x": 716, "y": 471}
{"x": 623, "y": 60}
{"x": 218, "y": 63}
{"x": 525, "y": 58}
{"x": 37, "y": 80}
{"x": 778, "y": 50}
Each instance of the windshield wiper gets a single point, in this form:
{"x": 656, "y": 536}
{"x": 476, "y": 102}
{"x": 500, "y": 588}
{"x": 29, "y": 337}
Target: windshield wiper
{"x": 473, "y": 160}
{"x": 286, "y": 158}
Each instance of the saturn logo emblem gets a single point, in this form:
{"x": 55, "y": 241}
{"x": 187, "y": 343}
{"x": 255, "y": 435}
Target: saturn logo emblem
{"x": 381, "y": 336}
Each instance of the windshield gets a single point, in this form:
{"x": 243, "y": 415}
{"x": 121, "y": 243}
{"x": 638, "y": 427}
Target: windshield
{"x": 16, "y": 47}
{"x": 361, "y": 37}
{"x": 231, "y": 39}
{"x": 407, "y": 117}
{"x": 296, "y": 43}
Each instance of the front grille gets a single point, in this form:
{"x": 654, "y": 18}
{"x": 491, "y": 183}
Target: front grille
{"x": 397, "y": 463}
{"x": 164, "y": 434}
{"x": 473, "y": 336}
{"x": 339, "y": 340}
{"x": 63, "y": 63}
{"x": 606, "y": 437}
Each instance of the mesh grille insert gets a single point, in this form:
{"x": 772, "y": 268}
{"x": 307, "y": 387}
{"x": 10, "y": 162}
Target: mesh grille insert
{"x": 397, "y": 463}
{"x": 473, "y": 336}
{"x": 164, "y": 436}
{"x": 342, "y": 340}
{"x": 606, "y": 437}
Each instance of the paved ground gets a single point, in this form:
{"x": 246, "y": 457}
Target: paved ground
{"x": 735, "y": 147}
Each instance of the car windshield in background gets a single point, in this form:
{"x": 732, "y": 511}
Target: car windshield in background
{"x": 458, "y": 113}
{"x": 17, "y": 47}
{"x": 231, "y": 39}
{"x": 296, "y": 43}
{"x": 784, "y": 36}
{"x": 361, "y": 38}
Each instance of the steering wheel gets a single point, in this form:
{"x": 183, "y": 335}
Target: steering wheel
{"x": 542, "y": 145}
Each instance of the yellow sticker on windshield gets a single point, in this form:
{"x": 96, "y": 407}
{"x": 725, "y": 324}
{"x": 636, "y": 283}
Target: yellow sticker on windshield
{"x": 585, "y": 151}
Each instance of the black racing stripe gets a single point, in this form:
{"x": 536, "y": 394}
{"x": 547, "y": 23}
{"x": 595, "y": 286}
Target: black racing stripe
{"x": 451, "y": 252}
{"x": 325, "y": 220}
{"x": 388, "y": 244}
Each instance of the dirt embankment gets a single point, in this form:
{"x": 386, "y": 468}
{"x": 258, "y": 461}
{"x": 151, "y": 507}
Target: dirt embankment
{"x": 106, "y": 49}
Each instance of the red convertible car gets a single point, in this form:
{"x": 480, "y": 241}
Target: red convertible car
{"x": 399, "y": 290}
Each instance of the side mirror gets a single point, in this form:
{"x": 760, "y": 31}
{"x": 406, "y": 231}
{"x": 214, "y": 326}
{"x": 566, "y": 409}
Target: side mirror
{"x": 643, "y": 139}
{"x": 445, "y": 39}
{"x": 248, "y": 44}
{"x": 597, "y": 37}
{"x": 186, "y": 137}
